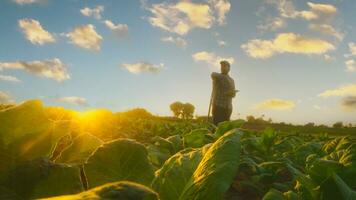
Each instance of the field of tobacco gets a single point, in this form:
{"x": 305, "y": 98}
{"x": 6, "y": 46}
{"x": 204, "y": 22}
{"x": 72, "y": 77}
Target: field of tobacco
{"x": 53, "y": 153}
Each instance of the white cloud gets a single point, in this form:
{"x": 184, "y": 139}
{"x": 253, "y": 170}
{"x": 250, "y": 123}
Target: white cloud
{"x": 221, "y": 7}
{"x": 9, "y": 78}
{"x": 321, "y": 17}
{"x": 323, "y": 8}
{"x": 272, "y": 24}
{"x": 211, "y": 58}
{"x": 327, "y": 30}
{"x": 222, "y": 43}
{"x": 120, "y": 30}
{"x": 86, "y": 37}
{"x": 287, "y": 9}
{"x": 5, "y": 98}
{"x": 142, "y": 67}
{"x": 352, "y": 47}
{"x": 276, "y": 104}
{"x": 329, "y": 58}
{"x": 25, "y": 2}
{"x": 74, "y": 100}
{"x": 350, "y": 65}
{"x": 183, "y": 16}
{"x": 346, "y": 90}
{"x": 93, "y": 12}
{"x": 52, "y": 69}
{"x": 175, "y": 40}
{"x": 286, "y": 43}
{"x": 34, "y": 32}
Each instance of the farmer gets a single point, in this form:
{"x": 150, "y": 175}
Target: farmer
{"x": 223, "y": 92}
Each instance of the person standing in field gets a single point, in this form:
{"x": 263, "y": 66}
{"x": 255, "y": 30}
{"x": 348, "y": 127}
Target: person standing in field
{"x": 222, "y": 94}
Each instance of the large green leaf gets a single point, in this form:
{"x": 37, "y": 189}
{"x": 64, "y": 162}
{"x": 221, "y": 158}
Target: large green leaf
{"x": 119, "y": 160}
{"x": 274, "y": 194}
{"x": 21, "y": 120}
{"x": 157, "y": 155}
{"x": 26, "y": 132}
{"x": 197, "y": 138}
{"x": 342, "y": 162}
{"x": 114, "y": 191}
{"x": 216, "y": 171}
{"x": 80, "y": 149}
{"x": 301, "y": 153}
{"x": 177, "y": 142}
{"x": 226, "y": 126}
{"x": 336, "y": 144}
{"x": 41, "y": 178}
{"x": 172, "y": 178}
{"x": 346, "y": 192}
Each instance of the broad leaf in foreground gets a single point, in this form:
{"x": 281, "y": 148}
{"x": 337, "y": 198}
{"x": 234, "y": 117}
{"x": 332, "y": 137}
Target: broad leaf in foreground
{"x": 80, "y": 149}
{"x": 172, "y": 178}
{"x": 216, "y": 171}
{"x": 41, "y": 178}
{"x": 119, "y": 160}
{"x": 226, "y": 126}
{"x": 112, "y": 191}
{"x": 27, "y": 133}
{"x": 196, "y": 138}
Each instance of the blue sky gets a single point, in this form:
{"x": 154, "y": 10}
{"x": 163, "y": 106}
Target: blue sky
{"x": 293, "y": 61}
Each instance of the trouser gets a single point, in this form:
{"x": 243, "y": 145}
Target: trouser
{"x": 220, "y": 114}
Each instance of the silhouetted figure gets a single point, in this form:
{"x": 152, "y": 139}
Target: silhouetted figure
{"x": 223, "y": 92}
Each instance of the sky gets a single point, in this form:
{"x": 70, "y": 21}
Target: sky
{"x": 293, "y": 61}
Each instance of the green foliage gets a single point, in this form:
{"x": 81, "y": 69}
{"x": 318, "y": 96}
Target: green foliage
{"x": 112, "y": 191}
{"x": 80, "y": 150}
{"x": 216, "y": 171}
{"x": 41, "y": 178}
{"x": 27, "y": 133}
{"x": 174, "y": 175}
{"x": 346, "y": 192}
{"x": 177, "y": 108}
{"x": 224, "y": 127}
{"x": 48, "y": 151}
{"x": 197, "y": 138}
{"x": 137, "y": 113}
{"x": 277, "y": 195}
{"x": 183, "y": 110}
{"x": 119, "y": 160}
{"x": 188, "y": 111}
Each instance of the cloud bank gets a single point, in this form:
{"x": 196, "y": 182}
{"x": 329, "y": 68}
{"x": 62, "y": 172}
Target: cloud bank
{"x": 86, "y": 37}
{"x": 346, "y": 90}
{"x": 142, "y": 67}
{"x": 183, "y": 16}
{"x": 52, "y": 69}
{"x": 276, "y": 104}
{"x": 35, "y": 33}
{"x": 286, "y": 43}
{"x": 211, "y": 58}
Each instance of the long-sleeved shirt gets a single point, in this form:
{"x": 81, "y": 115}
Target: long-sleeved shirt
{"x": 223, "y": 90}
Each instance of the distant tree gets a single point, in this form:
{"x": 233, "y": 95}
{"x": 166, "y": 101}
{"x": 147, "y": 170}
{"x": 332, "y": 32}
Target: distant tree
{"x": 188, "y": 111}
{"x": 338, "y": 125}
{"x": 182, "y": 110}
{"x": 310, "y": 125}
{"x": 250, "y": 118}
{"x": 177, "y": 108}
{"x": 139, "y": 113}
{"x": 323, "y": 126}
